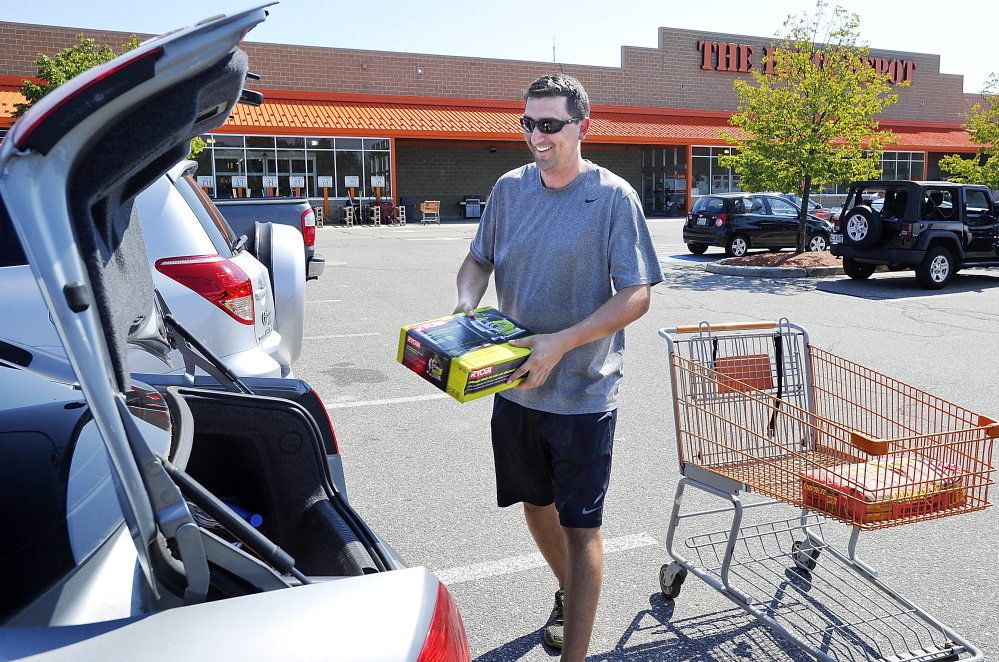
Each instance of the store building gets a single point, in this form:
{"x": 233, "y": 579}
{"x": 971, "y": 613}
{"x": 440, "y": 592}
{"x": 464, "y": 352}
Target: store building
{"x": 444, "y": 128}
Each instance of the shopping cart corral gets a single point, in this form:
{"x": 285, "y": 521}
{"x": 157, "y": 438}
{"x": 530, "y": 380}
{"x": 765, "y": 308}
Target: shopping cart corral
{"x": 758, "y": 409}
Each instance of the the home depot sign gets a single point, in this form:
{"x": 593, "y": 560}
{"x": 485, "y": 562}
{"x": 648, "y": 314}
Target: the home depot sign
{"x": 723, "y": 56}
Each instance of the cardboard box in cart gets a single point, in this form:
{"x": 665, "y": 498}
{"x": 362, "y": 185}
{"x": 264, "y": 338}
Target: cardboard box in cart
{"x": 466, "y": 357}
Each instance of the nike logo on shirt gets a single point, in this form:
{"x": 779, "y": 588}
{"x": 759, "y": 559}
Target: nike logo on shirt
{"x": 593, "y": 200}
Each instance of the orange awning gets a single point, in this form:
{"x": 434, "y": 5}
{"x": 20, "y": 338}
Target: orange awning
{"x": 9, "y": 95}
{"x": 305, "y": 113}
{"x": 457, "y": 119}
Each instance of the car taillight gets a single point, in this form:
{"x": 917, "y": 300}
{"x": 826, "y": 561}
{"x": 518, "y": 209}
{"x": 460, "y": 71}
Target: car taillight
{"x": 309, "y": 227}
{"x": 217, "y": 279}
{"x": 446, "y": 640}
{"x": 721, "y": 220}
{"x": 904, "y": 229}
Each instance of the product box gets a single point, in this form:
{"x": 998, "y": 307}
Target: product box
{"x": 884, "y": 489}
{"x": 467, "y": 357}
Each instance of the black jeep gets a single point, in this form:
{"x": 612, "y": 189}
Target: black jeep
{"x": 935, "y": 228}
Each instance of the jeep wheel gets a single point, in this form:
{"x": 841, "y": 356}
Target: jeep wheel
{"x": 861, "y": 227}
{"x": 697, "y": 249}
{"x": 818, "y": 242}
{"x": 936, "y": 269}
{"x": 737, "y": 246}
{"x": 857, "y": 270}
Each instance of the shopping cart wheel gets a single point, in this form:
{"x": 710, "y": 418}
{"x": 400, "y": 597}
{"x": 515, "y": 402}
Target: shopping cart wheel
{"x": 671, "y": 577}
{"x": 804, "y": 554}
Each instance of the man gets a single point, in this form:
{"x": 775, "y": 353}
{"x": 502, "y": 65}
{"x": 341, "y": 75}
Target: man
{"x": 573, "y": 262}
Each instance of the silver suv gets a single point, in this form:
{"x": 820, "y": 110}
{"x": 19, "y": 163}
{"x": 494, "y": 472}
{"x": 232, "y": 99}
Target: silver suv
{"x": 249, "y": 314}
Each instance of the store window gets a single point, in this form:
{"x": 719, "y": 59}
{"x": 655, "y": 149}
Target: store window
{"x": 903, "y": 165}
{"x": 709, "y": 177}
{"x": 311, "y": 166}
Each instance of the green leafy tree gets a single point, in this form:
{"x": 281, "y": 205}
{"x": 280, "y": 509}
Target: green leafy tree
{"x": 811, "y": 122}
{"x": 983, "y": 125}
{"x": 67, "y": 63}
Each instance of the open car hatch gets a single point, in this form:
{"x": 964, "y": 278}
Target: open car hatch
{"x": 76, "y": 161}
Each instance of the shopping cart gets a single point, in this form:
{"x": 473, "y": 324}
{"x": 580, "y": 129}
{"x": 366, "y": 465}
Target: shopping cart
{"x": 759, "y": 409}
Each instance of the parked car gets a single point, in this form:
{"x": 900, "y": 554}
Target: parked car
{"x": 740, "y": 221}
{"x": 247, "y": 215}
{"x": 250, "y": 314}
{"x": 934, "y": 228}
{"x": 166, "y": 517}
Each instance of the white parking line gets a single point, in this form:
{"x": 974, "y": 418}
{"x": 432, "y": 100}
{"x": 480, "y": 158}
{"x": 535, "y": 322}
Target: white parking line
{"x": 387, "y": 401}
{"x": 514, "y": 564}
{"x": 325, "y": 301}
{"x": 342, "y": 335}
{"x": 437, "y": 239}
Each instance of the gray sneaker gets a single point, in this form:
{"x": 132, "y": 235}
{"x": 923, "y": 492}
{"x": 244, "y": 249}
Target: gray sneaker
{"x": 553, "y": 628}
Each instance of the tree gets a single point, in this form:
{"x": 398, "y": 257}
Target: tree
{"x": 983, "y": 125}
{"x": 67, "y": 63}
{"x": 811, "y": 121}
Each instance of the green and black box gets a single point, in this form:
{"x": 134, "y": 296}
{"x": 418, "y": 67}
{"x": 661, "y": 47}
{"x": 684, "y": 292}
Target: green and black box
{"x": 466, "y": 357}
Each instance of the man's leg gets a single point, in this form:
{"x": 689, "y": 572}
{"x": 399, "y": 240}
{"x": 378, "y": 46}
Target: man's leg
{"x": 548, "y": 536}
{"x": 584, "y": 575}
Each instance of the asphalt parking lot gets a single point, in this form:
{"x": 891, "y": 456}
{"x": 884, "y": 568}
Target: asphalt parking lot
{"x": 419, "y": 469}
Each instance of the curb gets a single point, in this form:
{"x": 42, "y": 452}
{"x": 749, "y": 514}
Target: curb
{"x": 771, "y": 272}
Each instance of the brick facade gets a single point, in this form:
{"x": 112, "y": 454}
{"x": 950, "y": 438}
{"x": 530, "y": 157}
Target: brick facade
{"x": 666, "y": 77}
{"x": 671, "y": 76}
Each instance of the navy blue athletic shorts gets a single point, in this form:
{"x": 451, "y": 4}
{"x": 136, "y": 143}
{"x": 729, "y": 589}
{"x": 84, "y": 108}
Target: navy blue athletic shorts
{"x": 544, "y": 458}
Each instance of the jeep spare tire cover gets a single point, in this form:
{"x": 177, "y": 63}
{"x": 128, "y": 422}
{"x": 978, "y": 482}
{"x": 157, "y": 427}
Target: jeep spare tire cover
{"x": 861, "y": 227}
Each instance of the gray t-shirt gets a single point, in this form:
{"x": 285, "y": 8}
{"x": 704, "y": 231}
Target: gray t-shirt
{"x": 560, "y": 254}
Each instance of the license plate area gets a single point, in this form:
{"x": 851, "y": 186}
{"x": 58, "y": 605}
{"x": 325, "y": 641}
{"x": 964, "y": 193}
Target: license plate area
{"x": 835, "y": 239}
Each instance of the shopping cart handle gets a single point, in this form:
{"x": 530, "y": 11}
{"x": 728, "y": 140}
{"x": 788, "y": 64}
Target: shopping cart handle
{"x": 991, "y": 426}
{"x": 869, "y": 445}
{"x": 724, "y": 326}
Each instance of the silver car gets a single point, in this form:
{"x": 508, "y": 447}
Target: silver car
{"x": 166, "y": 517}
{"x": 249, "y": 314}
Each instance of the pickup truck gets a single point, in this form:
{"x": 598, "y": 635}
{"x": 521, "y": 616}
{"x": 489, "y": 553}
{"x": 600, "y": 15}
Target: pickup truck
{"x": 247, "y": 216}
{"x": 934, "y": 228}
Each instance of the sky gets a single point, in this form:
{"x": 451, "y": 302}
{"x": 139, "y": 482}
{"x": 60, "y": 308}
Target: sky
{"x": 580, "y": 31}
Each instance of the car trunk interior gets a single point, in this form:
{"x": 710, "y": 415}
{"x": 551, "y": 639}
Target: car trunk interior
{"x": 267, "y": 456}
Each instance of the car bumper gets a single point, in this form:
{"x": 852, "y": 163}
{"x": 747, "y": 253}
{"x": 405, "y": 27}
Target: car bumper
{"x": 314, "y": 267}
{"x": 708, "y": 235}
{"x": 878, "y": 256}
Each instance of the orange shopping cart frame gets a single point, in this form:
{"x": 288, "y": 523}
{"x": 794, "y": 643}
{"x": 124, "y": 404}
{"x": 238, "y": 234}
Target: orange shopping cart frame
{"x": 758, "y": 409}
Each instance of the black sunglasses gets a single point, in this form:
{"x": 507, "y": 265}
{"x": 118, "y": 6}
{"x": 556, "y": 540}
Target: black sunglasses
{"x": 547, "y": 125}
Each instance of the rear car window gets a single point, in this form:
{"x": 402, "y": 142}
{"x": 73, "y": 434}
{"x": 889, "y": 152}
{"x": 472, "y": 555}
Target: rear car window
{"x": 708, "y": 205}
{"x": 221, "y": 235}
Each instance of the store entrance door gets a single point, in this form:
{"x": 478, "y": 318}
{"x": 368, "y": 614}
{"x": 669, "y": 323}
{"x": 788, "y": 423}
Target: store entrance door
{"x": 661, "y": 193}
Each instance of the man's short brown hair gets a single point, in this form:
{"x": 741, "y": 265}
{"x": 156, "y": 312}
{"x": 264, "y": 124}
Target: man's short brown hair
{"x": 559, "y": 85}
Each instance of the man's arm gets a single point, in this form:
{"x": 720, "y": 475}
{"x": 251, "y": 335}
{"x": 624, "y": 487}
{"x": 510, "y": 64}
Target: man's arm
{"x": 473, "y": 280}
{"x": 548, "y": 349}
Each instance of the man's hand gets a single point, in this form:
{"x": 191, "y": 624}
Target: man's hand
{"x": 546, "y": 351}
{"x": 473, "y": 279}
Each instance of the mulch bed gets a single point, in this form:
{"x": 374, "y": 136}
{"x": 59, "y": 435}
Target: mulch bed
{"x": 787, "y": 259}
